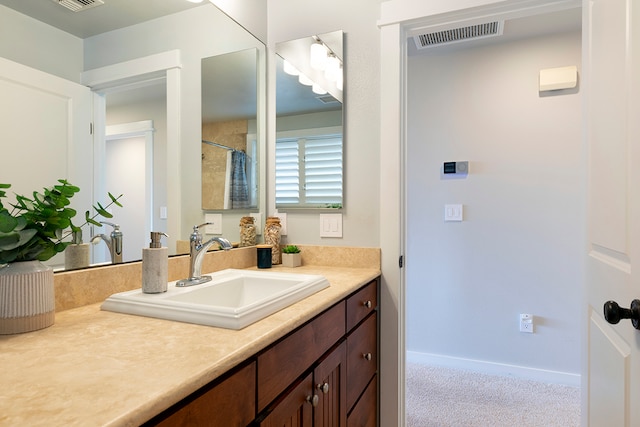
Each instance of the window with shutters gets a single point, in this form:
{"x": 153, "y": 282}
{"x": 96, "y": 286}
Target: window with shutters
{"x": 309, "y": 168}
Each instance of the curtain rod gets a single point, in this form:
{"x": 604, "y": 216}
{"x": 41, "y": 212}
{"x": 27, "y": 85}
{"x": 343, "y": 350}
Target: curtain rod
{"x": 215, "y": 144}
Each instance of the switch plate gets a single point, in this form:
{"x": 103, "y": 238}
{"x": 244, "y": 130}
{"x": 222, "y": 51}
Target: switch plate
{"x": 216, "y": 227}
{"x": 330, "y": 225}
{"x": 257, "y": 221}
{"x": 453, "y": 213}
{"x": 163, "y": 212}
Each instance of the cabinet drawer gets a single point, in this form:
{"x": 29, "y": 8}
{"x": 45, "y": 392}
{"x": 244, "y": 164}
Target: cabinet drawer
{"x": 365, "y": 413}
{"x": 228, "y": 403}
{"x": 362, "y": 358}
{"x": 281, "y": 364}
{"x": 361, "y": 304}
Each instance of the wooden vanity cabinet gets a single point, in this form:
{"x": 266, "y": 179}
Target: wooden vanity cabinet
{"x": 323, "y": 374}
{"x": 228, "y": 401}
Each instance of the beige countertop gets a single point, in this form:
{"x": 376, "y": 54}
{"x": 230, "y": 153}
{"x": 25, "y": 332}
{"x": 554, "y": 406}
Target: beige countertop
{"x": 97, "y": 368}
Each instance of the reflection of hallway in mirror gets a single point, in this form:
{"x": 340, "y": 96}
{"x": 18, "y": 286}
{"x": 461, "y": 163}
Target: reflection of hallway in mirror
{"x": 128, "y": 168}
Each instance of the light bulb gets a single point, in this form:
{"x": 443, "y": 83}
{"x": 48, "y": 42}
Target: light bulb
{"x": 305, "y": 80}
{"x": 317, "y": 89}
{"x": 318, "y": 56}
{"x": 290, "y": 69}
{"x": 332, "y": 68}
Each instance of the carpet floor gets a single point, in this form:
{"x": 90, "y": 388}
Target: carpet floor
{"x": 445, "y": 397}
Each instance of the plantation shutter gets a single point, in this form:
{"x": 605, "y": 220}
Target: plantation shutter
{"x": 309, "y": 171}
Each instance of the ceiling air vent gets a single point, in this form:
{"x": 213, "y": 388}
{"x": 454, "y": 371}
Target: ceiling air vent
{"x": 457, "y": 35}
{"x": 79, "y": 5}
{"x": 326, "y": 99}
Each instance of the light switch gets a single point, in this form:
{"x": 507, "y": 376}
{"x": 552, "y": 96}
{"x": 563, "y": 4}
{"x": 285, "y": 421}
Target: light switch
{"x": 330, "y": 225}
{"x": 453, "y": 212}
{"x": 163, "y": 212}
{"x": 216, "y": 226}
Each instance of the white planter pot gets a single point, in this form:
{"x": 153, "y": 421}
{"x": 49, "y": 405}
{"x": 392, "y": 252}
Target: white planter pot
{"x": 291, "y": 260}
{"x": 27, "y": 301}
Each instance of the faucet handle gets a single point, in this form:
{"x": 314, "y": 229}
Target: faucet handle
{"x": 198, "y": 227}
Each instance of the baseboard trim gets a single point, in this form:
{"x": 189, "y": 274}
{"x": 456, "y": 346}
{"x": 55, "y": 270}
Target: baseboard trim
{"x": 481, "y": 366}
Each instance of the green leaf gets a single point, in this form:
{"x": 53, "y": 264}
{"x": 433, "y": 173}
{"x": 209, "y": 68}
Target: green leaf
{"x": 7, "y": 222}
{"x": 115, "y": 199}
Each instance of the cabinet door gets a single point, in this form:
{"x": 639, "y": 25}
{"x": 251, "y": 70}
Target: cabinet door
{"x": 364, "y": 414}
{"x": 295, "y": 409}
{"x": 330, "y": 378}
{"x": 362, "y": 358}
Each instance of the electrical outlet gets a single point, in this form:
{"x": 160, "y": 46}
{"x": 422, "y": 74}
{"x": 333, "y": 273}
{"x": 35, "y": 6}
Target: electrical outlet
{"x": 526, "y": 323}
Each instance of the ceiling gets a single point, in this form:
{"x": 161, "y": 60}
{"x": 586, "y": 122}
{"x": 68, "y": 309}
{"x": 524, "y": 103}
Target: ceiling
{"x": 112, "y": 15}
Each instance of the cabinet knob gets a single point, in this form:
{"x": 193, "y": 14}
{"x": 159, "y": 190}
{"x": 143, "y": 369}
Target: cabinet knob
{"x": 367, "y": 304}
{"x": 313, "y": 400}
{"x": 367, "y": 356}
{"x": 324, "y": 387}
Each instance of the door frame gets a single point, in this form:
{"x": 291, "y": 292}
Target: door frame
{"x": 130, "y": 74}
{"x": 401, "y": 19}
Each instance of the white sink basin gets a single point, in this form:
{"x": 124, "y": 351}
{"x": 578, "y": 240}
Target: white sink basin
{"x": 233, "y": 298}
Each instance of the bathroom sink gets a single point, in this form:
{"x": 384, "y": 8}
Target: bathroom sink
{"x": 233, "y": 298}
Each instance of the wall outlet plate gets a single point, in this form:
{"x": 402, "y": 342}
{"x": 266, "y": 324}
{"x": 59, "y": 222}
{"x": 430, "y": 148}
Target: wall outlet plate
{"x": 526, "y": 323}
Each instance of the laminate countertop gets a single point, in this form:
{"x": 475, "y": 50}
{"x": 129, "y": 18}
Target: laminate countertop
{"x": 94, "y": 367}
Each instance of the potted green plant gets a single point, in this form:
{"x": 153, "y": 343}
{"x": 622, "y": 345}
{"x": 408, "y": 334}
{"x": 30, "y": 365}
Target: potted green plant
{"x": 291, "y": 256}
{"x": 34, "y": 230}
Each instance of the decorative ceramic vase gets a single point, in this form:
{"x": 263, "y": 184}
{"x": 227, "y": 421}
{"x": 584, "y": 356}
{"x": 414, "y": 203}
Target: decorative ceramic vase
{"x": 77, "y": 256}
{"x": 27, "y": 301}
{"x": 292, "y": 260}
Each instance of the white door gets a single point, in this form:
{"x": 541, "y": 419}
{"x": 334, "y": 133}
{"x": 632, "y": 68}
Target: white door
{"x": 612, "y": 66}
{"x": 45, "y": 135}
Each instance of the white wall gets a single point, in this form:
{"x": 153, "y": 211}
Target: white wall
{"x": 37, "y": 45}
{"x": 519, "y": 248}
{"x": 292, "y": 19}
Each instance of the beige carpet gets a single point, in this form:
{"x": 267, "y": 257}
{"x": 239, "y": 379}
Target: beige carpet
{"x": 444, "y": 397}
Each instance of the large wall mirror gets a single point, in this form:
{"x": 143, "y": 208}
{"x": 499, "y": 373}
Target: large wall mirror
{"x": 206, "y": 40}
{"x": 309, "y": 122}
{"x": 230, "y": 167}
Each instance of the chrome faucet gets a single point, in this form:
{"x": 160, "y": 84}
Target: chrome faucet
{"x": 113, "y": 241}
{"x": 197, "y": 249}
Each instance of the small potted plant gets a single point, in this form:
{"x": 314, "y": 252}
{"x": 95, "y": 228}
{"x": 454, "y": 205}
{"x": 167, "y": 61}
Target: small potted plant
{"x": 34, "y": 230}
{"x": 291, "y": 256}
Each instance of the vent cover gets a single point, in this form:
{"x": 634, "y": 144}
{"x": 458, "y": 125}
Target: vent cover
{"x": 79, "y": 5}
{"x": 457, "y": 35}
{"x": 326, "y": 99}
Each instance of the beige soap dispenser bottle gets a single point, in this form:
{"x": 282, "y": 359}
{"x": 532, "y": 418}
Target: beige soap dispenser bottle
{"x": 155, "y": 268}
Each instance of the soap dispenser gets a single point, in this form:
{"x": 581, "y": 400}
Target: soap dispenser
{"x": 155, "y": 268}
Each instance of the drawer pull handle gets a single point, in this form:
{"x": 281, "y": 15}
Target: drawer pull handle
{"x": 367, "y": 356}
{"x": 324, "y": 387}
{"x": 313, "y": 400}
{"x": 367, "y": 304}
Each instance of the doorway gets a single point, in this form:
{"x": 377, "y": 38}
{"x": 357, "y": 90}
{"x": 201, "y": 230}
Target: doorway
{"x": 129, "y": 171}
{"x": 468, "y": 281}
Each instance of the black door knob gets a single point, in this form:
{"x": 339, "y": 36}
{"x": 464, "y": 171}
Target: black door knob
{"x": 613, "y": 313}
